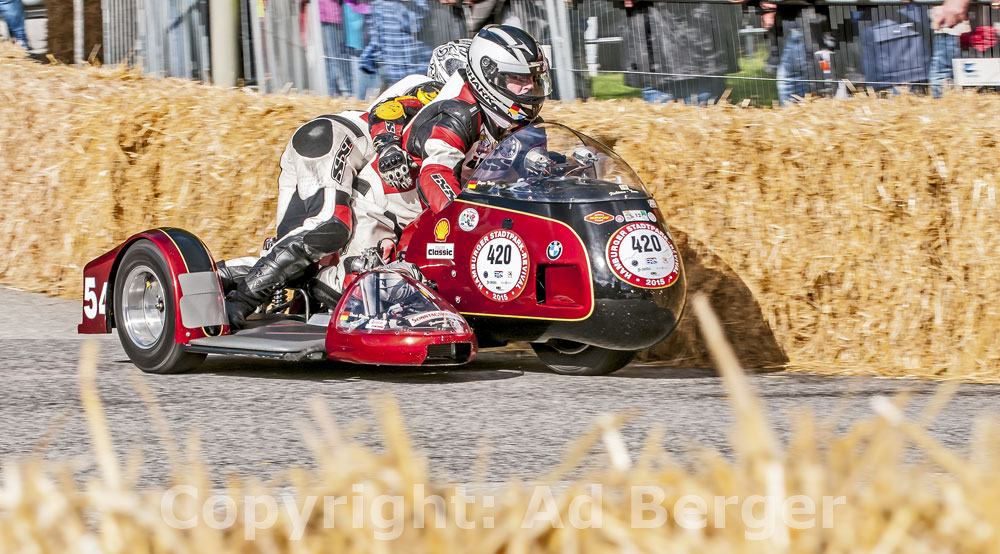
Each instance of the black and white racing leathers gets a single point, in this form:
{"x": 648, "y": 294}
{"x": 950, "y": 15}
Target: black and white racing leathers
{"x": 331, "y": 199}
{"x": 315, "y": 220}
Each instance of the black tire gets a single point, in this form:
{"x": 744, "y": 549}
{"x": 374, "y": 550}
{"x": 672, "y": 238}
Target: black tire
{"x": 151, "y": 349}
{"x": 573, "y": 358}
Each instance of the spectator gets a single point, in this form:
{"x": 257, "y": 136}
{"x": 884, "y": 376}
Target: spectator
{"x": 945, "y": 46}
{"x": 951, "y": 13}
{"x": 12, "y": 12}
{"x": 356, "y": 13}
{"x": 805, "y": 50}
{"x": 483, "y": 13}
{"x": 669, "y": 41}
{"x": 339, "y": 74}
{"x": 393, "y": 50}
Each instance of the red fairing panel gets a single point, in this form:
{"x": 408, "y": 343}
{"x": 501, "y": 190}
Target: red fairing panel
{"x": 184, "y": 254}
{"x": 95, "y": 293}
{"x": 387, "y": 318}
{"x": 487, "y": 285}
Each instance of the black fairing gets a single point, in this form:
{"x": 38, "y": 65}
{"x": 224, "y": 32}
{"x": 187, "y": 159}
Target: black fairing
{"x": 625, "y": 317}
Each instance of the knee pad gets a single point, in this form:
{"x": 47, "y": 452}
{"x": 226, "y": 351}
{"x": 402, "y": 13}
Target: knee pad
{"x": 326, "y": 239}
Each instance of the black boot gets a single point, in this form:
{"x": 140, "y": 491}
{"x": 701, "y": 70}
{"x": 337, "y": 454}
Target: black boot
{"x": 238, "y": 307}
{"x": 286, "y": 261}
{"x": 230, "y": 275}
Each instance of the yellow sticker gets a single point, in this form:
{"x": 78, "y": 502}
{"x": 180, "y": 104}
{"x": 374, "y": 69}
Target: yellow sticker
{"x": 390, "y": 110}
{"x": 426, "y": 97}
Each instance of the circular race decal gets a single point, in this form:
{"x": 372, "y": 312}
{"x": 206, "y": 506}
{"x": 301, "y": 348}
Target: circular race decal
{"x": 468, "y": 219}
{"x": 499, "y": 265}
{"x": 641, "y": 255}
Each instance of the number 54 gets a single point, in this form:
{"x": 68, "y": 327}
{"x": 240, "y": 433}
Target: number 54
{"x": 91, "y": 305}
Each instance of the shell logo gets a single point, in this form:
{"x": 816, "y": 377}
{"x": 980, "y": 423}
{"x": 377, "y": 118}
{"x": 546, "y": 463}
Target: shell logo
{"x": 441, "y": 230}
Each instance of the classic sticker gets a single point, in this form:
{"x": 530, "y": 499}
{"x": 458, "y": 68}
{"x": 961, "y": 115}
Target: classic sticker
{"x": 441, "y": 251}
{"x": 642, "y": 255}
{"x": 599, "y": 217}
{"x": 499, "y": 265}
{"x": 468, "y": 219}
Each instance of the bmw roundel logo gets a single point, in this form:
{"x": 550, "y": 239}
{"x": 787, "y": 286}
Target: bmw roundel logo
{"x": 554, "y": 250}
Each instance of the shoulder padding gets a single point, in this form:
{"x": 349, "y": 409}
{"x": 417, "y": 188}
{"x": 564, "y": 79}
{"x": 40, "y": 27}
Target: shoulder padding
{"x": 314, "y": 139}
{"x": 458, "y": 116}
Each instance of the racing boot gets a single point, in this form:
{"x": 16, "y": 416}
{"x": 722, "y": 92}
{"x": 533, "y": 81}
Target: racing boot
{"x": 230, "y": 275}
{"x": 286, "y": 261}
{"x": 232, "y": 272}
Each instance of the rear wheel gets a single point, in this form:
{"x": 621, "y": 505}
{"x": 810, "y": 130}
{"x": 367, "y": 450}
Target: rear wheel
{"x": 144, "y": 312}
{"x": 574, "y": 358}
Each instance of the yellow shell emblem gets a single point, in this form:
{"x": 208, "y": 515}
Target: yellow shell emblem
{"x": 442, "y": 230}
{"x": 390, "y": 110}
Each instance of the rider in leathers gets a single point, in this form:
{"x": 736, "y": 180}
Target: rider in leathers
{"x": 501, "y": 89}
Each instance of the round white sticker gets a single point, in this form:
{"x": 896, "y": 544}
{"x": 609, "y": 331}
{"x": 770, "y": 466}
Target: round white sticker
{"x": 468, "y": 219}
{"x": 499, "y": 265}
{"x": 642, "y": 255}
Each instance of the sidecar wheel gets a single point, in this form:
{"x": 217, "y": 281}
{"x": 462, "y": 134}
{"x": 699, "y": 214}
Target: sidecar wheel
{"x": 144, "y": 312}
{"x": 573, "y": 358}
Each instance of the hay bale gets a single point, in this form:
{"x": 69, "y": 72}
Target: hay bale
{"x": 844, "y": 236}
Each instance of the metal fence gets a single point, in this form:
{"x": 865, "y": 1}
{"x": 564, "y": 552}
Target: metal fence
{"x": 658, "y": 50}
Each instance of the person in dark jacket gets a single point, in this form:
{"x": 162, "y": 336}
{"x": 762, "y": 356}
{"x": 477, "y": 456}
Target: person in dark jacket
{"x": 679, "y": 51}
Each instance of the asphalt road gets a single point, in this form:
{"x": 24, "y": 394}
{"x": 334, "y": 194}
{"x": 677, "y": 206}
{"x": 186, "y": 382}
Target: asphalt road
{"x": 245, "y": 410}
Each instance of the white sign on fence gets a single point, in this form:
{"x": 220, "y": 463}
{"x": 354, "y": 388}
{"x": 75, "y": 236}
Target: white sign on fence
{"x": 976, "y": 72}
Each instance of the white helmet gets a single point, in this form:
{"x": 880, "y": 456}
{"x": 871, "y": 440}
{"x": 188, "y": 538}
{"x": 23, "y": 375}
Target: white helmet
{"x": 508, "y": 73}
{"x": 448, "y": 58}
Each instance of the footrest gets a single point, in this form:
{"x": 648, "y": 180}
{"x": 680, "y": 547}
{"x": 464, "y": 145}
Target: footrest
{"x": 287, "y": 340}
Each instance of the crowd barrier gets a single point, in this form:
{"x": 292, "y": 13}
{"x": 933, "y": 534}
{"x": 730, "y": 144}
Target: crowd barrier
{"x": 656, "y": 50}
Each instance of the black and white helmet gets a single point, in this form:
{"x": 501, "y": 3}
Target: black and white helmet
{"x": 448, "y": 58}
{"x": 508, "y": 73}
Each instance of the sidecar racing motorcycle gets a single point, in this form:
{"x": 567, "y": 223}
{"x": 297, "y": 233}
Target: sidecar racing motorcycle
{"x": 554, "y": 240}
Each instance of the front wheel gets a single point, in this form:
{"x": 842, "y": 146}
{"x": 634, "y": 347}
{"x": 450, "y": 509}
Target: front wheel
{"x": 574, "y": 358}
{"x": 144, "y": 312}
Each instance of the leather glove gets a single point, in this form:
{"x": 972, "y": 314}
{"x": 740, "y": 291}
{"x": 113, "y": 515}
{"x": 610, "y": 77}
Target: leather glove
{"x": 394, "y": 167}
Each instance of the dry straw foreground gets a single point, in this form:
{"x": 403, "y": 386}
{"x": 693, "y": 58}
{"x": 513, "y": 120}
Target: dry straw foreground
{"x": 840, "y": 236}
{"x": 941, "y": 503}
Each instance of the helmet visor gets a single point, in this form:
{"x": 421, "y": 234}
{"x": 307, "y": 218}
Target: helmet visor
{"x": 526, "y": 87}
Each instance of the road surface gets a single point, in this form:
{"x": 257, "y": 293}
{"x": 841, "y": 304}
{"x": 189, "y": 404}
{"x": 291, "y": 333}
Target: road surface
{"x": 245, "y": 410}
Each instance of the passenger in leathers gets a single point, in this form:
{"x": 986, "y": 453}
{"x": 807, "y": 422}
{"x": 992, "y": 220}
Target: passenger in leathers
{"x": 316, "y": 190}
{"x": 334, "y": 172}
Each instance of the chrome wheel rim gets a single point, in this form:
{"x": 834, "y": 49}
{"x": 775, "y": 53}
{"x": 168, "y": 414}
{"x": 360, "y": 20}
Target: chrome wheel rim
{"x": 568, "y": 347}
{"x": 143, "y": 307}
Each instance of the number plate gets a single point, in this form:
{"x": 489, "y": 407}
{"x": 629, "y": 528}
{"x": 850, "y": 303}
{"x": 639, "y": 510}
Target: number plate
{"x": 499, "y": 265}
{"x": 643, "y": 256}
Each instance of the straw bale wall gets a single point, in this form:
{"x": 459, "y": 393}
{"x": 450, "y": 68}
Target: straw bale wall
{"x": 843, "y": 236}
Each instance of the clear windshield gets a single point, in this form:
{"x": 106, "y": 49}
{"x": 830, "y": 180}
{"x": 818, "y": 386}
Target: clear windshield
{"x": 383, "y": 300}
{"x": 552, "y": 162}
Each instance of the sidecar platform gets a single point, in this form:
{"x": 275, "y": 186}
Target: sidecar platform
{"x": 284, "y": 339}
